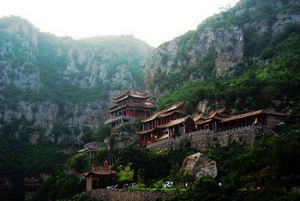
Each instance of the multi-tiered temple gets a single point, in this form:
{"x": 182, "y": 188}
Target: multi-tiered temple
{"x": 129, "y": 105}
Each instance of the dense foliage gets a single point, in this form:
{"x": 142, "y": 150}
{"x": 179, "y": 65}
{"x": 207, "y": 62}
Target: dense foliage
{"x": 150, "y": 167}
{"x": 271, "y": 164}
{"x": 21, "y": 159}
{"x": 60, "y": 187}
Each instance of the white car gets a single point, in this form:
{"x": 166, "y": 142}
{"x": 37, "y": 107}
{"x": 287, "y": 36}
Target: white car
{"x": 133, "y": 185}
{"x": 168, "y": 184}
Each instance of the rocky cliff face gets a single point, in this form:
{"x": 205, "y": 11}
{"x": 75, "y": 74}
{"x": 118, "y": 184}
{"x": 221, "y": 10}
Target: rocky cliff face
{"x": 60, "y": 84}
{"x": 218, "y": 45}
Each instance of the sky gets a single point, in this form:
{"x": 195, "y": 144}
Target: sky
{"x": 152, "y": 21}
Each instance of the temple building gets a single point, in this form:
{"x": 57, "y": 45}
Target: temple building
{"x": 265, "y": 118}
{"x": 129, "y": 105}
{"x": 222, "y": 120}
{"x": 99, "y": 177}
{"x": 211, "y": 122}
{"x": 92, "y": 148}
{"x": 169, "y": 123}
{"x": 180, "y": 126}
{"x": 155, "y": 126}
{"x": 31, "y": 186}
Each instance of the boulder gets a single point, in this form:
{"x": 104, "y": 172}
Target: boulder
{"x": 199, "y": 165}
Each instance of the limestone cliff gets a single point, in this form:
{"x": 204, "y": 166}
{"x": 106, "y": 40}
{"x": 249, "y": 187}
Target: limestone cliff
{"x": 219, "y": 44}
{"x": 59, "y": 86}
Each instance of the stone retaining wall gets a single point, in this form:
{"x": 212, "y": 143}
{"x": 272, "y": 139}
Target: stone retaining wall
{"x": 128, "y": 195}
{"x": 205, "y": 139}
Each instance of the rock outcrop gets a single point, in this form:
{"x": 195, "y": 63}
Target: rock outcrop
{"x": 61, "y": 84}
{"x": 216, "y": 47}
{"x": 199, "y": 165}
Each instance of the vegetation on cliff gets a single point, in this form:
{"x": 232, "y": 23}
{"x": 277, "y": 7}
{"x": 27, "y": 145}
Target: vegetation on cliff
{"x": 247, "y": 88}
{"x": 265, "y": 170}
{"x": 62, "y": 71}
{"x": 59, "y": 82}
{"x": 266, "y": 32}
{"x": 19, "y": 160}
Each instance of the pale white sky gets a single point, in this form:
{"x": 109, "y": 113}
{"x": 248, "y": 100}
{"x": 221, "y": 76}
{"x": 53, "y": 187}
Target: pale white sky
{"x": 152, "y": 21}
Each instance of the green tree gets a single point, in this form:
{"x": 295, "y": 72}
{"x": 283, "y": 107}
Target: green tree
{"x": 125, "y": 174}
{"x": 60, "y": 187}
{"x": 87, "y": 137}
{"x": 102, "y": 155}
{"x": 102, "y": 132}
{"x": 159, "y": 184}
{"x": 80, "y": 163}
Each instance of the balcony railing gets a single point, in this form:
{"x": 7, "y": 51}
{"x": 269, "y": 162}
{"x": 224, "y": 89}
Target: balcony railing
{"x": 117, "y": 118}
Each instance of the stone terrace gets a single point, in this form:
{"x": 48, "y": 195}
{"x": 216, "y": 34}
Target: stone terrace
{"x": 205, "y": 139}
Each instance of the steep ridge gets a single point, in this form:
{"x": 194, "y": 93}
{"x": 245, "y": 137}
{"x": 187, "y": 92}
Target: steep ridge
{"x": 238, "y": 36}
{"x": 58, "y": 86}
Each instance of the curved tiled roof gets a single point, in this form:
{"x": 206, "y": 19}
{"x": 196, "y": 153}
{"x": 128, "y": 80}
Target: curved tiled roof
{"x": 163, "y": 113}
{"x": 165, "y": 136}
{"x": 170, "y": 113}
{"x": 197, "y": 117}
{"x": 219, "y": 115}
{"x": 252, "y": 114}
{"x": 154, "y": 116}
{"x": 100, "y": 171}
{"x": 146, "y": 131}
{"x": 222, "y": 113}
{"x": 178, "y": 121}
{"x": 132, "y": 93}
{"x": 133, "y": 104}
{"x": 174, "y": 107}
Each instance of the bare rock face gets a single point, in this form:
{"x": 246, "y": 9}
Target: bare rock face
{"x": 216, "y": 41}
{"x": 227, "y": 43}
{"x": 199, "y": 165}
{"x": 40, "y": 72}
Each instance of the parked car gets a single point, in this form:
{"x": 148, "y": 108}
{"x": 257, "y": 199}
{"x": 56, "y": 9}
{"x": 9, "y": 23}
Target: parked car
{"x": 168, "y": 184}
{"x": 111, "y": 187}
{"x": 133, "y": 185}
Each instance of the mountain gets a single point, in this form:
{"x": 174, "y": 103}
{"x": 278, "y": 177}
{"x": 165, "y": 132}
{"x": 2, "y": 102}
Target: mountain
{"x": 53, "y": 89}
{"x": 57, "y": 87}
{"x": 253, "y": 36}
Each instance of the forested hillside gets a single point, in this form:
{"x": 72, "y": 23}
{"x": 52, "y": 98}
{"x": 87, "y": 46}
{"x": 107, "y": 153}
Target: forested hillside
{"x": 52, "y": 89}
{"x": 58, "y": 87}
